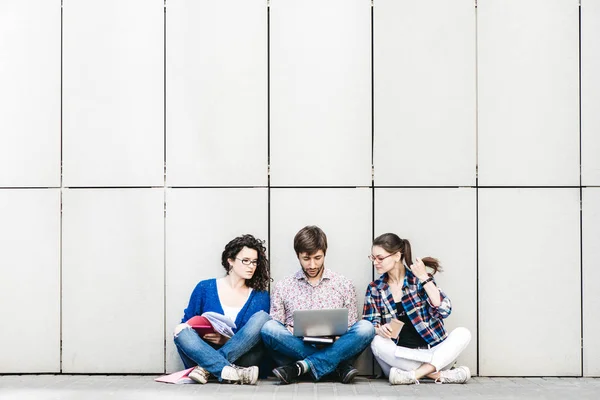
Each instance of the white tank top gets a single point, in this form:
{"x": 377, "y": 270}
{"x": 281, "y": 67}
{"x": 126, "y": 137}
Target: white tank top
{"x": 232, "y": 312}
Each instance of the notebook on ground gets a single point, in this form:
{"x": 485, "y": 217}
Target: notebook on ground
{"x": 327, "y": 322}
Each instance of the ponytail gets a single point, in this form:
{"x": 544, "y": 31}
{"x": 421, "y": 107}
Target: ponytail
{"x": 392, "y": 243}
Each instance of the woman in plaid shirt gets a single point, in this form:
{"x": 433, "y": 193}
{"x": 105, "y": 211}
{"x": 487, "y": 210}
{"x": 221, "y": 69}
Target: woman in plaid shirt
{"x": 409, "y": 299}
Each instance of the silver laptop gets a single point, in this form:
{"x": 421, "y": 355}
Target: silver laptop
{"x": 327, "y": 322}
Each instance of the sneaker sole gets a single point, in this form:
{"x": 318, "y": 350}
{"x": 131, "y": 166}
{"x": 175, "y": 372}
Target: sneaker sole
{"x": 415, "y": 382}
{"x": 280, "y": 377}
{"x": 468, "y": 374}
{"x": 350, "y": 376}
{"x": 254, "y": 378}
{"x": 198, "y": 379}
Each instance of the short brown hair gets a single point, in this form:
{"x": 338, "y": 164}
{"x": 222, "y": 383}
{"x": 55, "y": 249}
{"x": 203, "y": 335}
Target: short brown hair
{"x": 310, "y": 239}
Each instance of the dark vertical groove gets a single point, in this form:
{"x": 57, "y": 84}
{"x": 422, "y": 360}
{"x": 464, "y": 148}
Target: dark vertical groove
{"x": 372, "y": 131}
{"x": 580, "y": 206}
{"x": 373, "y": 362}
{"x": 165, "y": 186}
{"x": 269, "y": 132}
{"x": 477, "y": 189}
{"x": 60, "y": 233}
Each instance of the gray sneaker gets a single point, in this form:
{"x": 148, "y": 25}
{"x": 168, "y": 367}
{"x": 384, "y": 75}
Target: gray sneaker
{"x": 199, "y": 375}
{"x": 456, "y": 375}
{"x": 241, "y": 375}
{"x": 401, "y": 377}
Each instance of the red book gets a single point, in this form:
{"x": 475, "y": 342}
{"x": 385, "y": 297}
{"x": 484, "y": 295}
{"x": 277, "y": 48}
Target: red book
{"x": 201, "y": 325}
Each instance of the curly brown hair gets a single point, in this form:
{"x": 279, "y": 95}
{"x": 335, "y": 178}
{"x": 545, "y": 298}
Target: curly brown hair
{"x": 262, "y": 276}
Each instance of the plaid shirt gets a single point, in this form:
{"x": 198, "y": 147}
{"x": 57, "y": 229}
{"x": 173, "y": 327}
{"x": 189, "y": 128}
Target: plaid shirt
{"x": 380, "y": 308}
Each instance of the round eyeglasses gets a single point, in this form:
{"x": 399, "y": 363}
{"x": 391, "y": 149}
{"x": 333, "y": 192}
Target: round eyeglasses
{"x": 247, "y": 261}
{"x": 379, "y": 259}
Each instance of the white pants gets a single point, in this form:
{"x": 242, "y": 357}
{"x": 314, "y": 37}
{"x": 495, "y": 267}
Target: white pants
{"x": 442, "y": 356}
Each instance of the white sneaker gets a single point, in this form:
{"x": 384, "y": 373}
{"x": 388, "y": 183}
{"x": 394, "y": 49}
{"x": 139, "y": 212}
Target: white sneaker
{"x": 199, "y": 375}
{"x": 456, "y": 375}
{"x": 401, "y": 377}
{"x": 233, "y": 374}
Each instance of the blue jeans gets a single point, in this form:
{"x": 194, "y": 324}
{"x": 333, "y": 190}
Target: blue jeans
{"x": 244, "y": 348}
{"x": 288, "y": 348}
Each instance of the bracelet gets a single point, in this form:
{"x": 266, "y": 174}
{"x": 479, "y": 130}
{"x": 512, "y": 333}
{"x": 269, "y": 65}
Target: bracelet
{"x": 426, "y": 281}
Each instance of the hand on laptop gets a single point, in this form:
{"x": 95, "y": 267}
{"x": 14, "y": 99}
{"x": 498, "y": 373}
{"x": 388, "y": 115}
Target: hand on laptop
{"x": 291, "y": 329}
{"x": 215, "y": 338}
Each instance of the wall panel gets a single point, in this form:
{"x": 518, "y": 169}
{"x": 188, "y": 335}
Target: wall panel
{"x": 320, "y": 86}
{"x": 346, "y": 218}
{"x": 529, "y": 282}
{"x": 113, "y": 88}
{"x": 30, "y": 284}
{"x": 217, "y": 93}
{"x": 590, "y": 92}
{"x": 591, "y": 277}
{"x": 113, "y": 280}
{"x": 30, "y": 93}
{"x": 424, "y": 87}
{"x": 440, "y": 223}
{"x": 528, "y": 83}
{"x": 200, "y": 222}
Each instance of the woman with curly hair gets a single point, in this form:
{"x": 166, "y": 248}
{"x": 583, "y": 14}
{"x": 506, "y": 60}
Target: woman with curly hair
{"x": 240, "y": 295}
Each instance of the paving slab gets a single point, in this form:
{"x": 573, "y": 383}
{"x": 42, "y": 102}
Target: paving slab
{"x": 143, "y": 387}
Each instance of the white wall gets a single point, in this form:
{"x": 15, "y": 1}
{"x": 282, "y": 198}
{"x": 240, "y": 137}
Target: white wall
{"x": 528, "y": 92}
{"x": 30, "y": 285}
{"x": 113, "y": 105}
{"x": 217, "y": 93}
{"x": 112, "y": 280}
{"x": 591, "y": 300}
{"x": 30, "y": 101}
{"x": 135, "y": 147}
{"x": 529, "y": 282}
{"x": 320, "y": 93}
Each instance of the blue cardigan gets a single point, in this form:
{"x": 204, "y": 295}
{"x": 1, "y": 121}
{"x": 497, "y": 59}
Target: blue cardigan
{"x": 206, "y": 298}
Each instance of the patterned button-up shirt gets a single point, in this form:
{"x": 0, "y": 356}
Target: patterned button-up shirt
{"x": 296, "y": 293}
{"x": 425, "y": 317}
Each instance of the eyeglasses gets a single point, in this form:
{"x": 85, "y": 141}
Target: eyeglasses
{"x": 247, "y": 261}
{"x": 379, "y": 259}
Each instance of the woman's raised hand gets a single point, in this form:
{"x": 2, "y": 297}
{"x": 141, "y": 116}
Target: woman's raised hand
{"x": 419, "y": 270}
{"x": 384, "y": 331}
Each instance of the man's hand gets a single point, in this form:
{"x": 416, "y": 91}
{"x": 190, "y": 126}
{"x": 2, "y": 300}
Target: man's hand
{"x": 215, "y": 338}
{"x": 419, "y": 270}
{"x": 384, "y": 331}
{"x": 291, "y": 329}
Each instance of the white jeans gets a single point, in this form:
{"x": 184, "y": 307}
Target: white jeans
{"x": 442, "y": 356}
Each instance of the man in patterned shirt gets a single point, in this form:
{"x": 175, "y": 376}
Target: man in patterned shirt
{"x": 314, "y": 287}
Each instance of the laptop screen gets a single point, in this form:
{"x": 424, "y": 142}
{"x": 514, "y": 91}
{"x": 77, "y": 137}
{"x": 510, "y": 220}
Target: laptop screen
{"x": 326, "y": 322}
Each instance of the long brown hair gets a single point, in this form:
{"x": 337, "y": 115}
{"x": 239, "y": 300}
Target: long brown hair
{"x": 392, "y": 243}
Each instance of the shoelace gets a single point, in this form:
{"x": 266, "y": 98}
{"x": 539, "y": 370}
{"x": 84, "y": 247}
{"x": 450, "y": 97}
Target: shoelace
{"x": 243, "y": 374}
{"x": 416, "y": 380}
